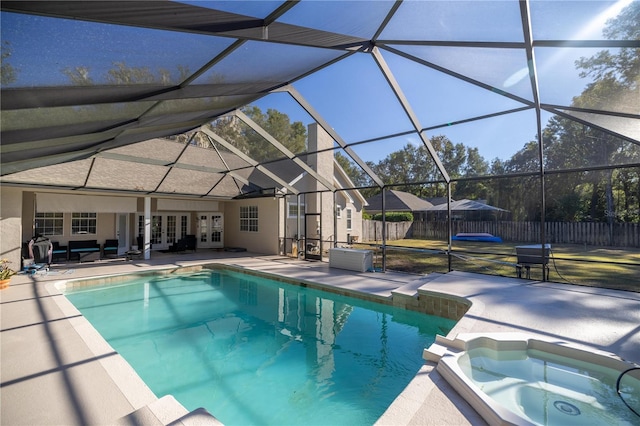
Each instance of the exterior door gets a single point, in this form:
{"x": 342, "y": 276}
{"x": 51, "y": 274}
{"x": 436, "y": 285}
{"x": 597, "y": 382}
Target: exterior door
{"x": 157, "y": 232}
{"x": 210, "y": 230}
{"x": 166, "y": 229}
{"x": 122, "y": 231}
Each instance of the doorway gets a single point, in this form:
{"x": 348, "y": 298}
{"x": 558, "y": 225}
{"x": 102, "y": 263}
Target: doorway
{"x": 122, "y": 232}
{"x": 210, "y": 229}
{"x": 166, "y": 229}
{"x": 313, "y": 232}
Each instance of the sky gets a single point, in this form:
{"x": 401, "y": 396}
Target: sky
{"x": 353, "y": 95}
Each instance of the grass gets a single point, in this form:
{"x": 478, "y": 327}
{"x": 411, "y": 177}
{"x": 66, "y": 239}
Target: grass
{"x": 614, "y": 268}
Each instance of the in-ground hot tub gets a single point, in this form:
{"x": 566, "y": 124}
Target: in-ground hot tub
{"x": 513, "y": 379}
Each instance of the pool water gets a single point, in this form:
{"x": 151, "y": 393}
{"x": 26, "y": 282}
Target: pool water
{"x": 549, "y": 389}
{"x": 257, "y": 351}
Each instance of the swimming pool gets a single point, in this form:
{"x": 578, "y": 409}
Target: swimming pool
{"x": 252, "y": 350}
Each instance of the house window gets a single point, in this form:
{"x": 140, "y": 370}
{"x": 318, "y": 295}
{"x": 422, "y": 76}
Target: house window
{"x": 338, "y": 212}
{"x": 292, "y": 210}
{"x": 249, "y": 218}
{"x": 183, "y": 226}
{"x": 49, "y": 224}
{"x": 84, "y": 223}
{"x": 349, "y": 219}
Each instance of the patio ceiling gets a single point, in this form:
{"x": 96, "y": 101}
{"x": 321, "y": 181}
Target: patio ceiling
{"x": 95, "y": 88}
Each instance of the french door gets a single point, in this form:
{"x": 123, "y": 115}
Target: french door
{"x": 210, "y": 230}
{"x": 166, "y": 229}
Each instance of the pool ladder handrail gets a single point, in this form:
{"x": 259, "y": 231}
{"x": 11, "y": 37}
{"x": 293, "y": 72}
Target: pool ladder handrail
{"x": 620, "y": 393}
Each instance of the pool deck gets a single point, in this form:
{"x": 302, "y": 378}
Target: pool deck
{"x": 55, "y": 368}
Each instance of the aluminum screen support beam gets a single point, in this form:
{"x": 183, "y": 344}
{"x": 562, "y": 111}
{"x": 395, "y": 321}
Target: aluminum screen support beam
{"x": 533, "y": 77}
{"x": 327, "y": 128}
{"x": 283, "y": 149}
{"x": 234, "y": 176}
{"x": 146, "y": 249}
{"x": 388, "y": 75}
{"x": 449, "y": 226}
{"x": 248, "y": 159}
{"x": 384, "y": 230}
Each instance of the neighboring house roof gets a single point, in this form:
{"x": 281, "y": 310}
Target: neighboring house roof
{"x": 398, "y": 201}
{"x": 467, "y": 205}
{"x": 437, "y": 200}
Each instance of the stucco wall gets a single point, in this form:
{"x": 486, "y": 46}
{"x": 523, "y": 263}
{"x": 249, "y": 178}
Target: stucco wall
{"x": 11, "y": 225}
{"x": 266, "y": 239}
{"x": 105, "y": 224}
{"x": 18, "y": 218}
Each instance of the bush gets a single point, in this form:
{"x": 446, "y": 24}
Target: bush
{"x": 395, "y": 217}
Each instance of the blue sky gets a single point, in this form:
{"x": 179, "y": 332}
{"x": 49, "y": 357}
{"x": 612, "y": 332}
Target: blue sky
{"x": 351, "y": 95}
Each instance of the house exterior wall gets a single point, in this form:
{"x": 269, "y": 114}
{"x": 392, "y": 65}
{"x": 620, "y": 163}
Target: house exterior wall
{"x": 105, "y": 222}
{"x": 323, "y": 203}
{"x": 342, "y": 231}
{"x": 11, "y": 225}
{"x": 323, "y": 164}
{"x": 18, "y": 210}
{"x": 266, "y": 239}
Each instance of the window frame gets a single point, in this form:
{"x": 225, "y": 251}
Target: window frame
{"x": 249, "y": 218}
{"x": 42, "y": 230}
{"x": 349, "y": 218}
{"x": 297, "y": 207}
{"x": 82, "y": 225}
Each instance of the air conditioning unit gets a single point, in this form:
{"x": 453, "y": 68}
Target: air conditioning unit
{"x": 351, "y": 259}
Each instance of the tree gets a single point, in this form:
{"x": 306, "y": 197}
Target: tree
{"x": 292, "y": 135}
{"x": 123, "y": 74}
{"x": 355, "y": 173}
{"x": 569, "y": 144}
{"x": 79, "y": 76}
{"x": 8, "y": 74}
{"x": 475, "y": 165}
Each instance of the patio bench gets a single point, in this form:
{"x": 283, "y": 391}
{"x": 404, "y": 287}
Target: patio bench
{"x": 84, "y": 249}
{"x": 59, "y": 252}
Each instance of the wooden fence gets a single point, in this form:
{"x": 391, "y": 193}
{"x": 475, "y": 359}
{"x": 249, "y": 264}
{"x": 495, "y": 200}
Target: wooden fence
{"x": 589, "y": 233}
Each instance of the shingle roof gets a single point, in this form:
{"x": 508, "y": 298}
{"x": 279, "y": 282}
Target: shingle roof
{"x": 397, "y": 201}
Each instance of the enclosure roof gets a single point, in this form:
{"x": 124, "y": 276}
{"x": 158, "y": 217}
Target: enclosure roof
{"x": 82, "y": 81}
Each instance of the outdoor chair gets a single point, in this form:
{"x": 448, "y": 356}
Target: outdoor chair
{"x": 40, "y": 250}
{"x": 190, "y": 242}
{"x": 178, "y": 246}
{"x": 110, "y": 248}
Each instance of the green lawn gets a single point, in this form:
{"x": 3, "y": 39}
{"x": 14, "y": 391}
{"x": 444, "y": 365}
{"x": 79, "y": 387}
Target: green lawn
{"x": 576, "y": 264}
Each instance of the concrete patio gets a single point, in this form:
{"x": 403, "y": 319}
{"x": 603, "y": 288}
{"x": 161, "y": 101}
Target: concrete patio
{"x": 56, "y": 369}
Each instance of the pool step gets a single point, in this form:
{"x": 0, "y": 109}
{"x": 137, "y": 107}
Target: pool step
{"x": 411, "y": 289}
{"x": 439, "y": 348}
{"x": 407, "y": 296}
{"x": 167, "y": 411}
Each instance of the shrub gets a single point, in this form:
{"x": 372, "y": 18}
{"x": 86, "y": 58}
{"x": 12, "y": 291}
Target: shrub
{"x": 395, "y": 216}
